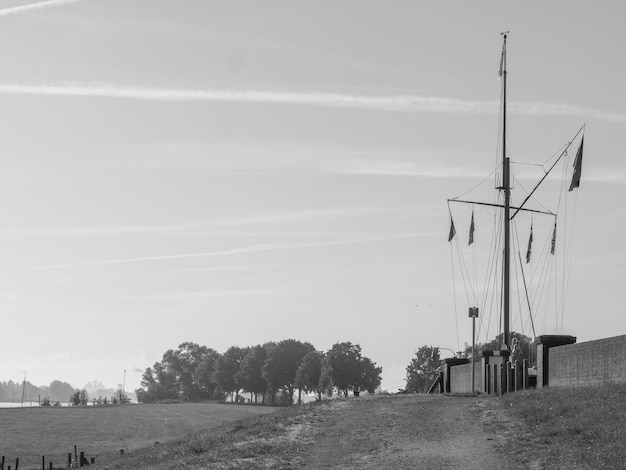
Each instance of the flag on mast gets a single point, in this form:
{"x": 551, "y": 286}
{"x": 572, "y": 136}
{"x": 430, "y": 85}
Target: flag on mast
{"x": 530, "y": 243}
{"x": 471, "y": 233}
{"x": 553, "y": 242}
{"x": 578, "y": 165}
{"x": 452, "y": 230}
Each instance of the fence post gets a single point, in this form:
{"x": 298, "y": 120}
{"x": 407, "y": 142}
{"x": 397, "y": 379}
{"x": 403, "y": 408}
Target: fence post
{"x": 17, "y": 463}
{"x": 509, "y": 382}
{"x": 43, "y": 462}
{"x": 496, "y": 387}
{"x": 502, "y": 379}
{"x": 82, "y": 459}
{"x": 69, "y": 459}
{"x": 525, "y": 373}
{"x": 487, "y": 379}
{"x": 2, "y": 463}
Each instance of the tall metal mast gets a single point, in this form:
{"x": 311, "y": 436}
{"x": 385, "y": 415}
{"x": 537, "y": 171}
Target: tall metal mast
{"x": 506, "y": 187}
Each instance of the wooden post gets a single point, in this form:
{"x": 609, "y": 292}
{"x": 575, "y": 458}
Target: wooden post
{"x": 50, "y": 465}
{"x": 502, "y": 379}
{"x": 441, "y": 384}
{"x": 17, "y": 463}
{"x": 2, "y": 463}
{"x": 510, "y": 385}
{"x": 43, "y": 462}
{"x": 495, "y": 379}
{"x": 75, "y": 453}
{"x": 82, "y": 459}
{"x": 487, "y": 379}
{"x": 69, "y": 459}
{"x": 525, "y": 374}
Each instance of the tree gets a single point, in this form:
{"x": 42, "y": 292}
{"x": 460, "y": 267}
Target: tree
{"x": 159, "y": 383}
{"x": 282, "y": 364}
{"x": 351, "y": 371}
{"x": 250, "y": 373}
{"x": 60, "y": 390}
{"x": 204, "y": 376}
{"x": 182, "y": 363}
{"x": 326, "y": 384}
{"x": 79, "y": 398}
{"x": 370, "y": 377}
{"x": 423, "y": 369}
{"x": 309, "y": 373}
{"x": 226, "y": 368}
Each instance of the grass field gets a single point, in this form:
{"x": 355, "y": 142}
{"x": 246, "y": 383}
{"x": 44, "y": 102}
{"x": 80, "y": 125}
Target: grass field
{"x": 570, "y": 428}
{"x": 30, "y": 433}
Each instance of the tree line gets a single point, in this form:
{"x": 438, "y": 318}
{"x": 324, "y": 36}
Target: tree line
{"x": 13, "y": 391}
{"x": 273, "y": 371}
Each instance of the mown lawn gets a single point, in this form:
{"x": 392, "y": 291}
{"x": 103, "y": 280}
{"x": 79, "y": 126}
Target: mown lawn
{"x": 30, "y": 433}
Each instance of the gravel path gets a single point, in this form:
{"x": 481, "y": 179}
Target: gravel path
{"x": 407, "y": 432}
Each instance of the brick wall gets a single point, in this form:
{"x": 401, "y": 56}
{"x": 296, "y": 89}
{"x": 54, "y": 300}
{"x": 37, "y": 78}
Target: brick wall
{"x": 588, "y": 363}
{"x": 461, "y": 378}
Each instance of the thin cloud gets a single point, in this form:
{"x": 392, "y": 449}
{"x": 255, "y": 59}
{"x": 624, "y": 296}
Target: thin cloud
{"x": 391, "y": 103}
{"x": 35, "y": 6}
{"x": 189, "y": 295}
{"x": 234, "y": 251}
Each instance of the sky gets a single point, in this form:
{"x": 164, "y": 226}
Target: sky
{"x": 232, "y": 173}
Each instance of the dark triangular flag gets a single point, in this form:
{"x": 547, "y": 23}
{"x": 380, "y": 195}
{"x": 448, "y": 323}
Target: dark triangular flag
{"x": 578, "y": 165}
{"x": 452, "y": 230}
{"x": 530, "y": 244}
{"x": 471, "y": 234}
{"x": 553, "y": 243}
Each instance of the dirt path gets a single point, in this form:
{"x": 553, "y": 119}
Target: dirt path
{"x": 406, "y": 432}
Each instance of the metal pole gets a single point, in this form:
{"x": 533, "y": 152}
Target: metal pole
{"x": 473, "y": 353}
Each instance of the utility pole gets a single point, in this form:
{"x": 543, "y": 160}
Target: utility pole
{"x": 23, "y": 387}
{"x": 473, "y": 313}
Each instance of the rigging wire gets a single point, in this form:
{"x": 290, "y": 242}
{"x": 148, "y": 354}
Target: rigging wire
{"x": 456, "y": 322}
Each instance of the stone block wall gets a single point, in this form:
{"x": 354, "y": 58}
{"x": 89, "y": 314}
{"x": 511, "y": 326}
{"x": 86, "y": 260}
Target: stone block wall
{"x": 588, "y": 363}
{"x": 461, "y": 378}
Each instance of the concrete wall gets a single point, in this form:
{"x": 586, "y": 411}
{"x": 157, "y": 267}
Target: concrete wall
{"x": 589, "y": 363}
{"x": 461, "y": 378}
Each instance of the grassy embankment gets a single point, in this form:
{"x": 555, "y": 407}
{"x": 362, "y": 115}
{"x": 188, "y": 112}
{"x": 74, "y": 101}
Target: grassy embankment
{"x": 554, "y": 428}
{"x": 570, "y": 428}
{"x": 101, "y": 432}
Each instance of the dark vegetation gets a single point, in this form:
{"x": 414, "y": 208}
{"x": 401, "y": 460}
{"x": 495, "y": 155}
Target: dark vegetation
{"x": 270, "y": 373}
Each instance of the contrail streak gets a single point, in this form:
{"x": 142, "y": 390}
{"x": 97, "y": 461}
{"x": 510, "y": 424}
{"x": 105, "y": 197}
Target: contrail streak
{"x": 233, "y": 251}
{"x": 392, "y": 103}
{"x": 35, "y": 6}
